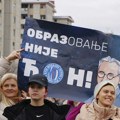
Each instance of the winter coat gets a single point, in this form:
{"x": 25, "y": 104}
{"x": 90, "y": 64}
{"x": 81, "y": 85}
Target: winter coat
{"x": 94, "y": 112}
{"x": 6, "y": 66}
{"x": 74, "y": 110}
{"x": 17, "y": 112}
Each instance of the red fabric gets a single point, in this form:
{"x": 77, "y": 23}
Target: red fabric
{"x": 73, "y": 111}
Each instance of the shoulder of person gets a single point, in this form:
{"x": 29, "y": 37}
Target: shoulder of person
{"x": 15, "y": 109}
{"x": 85, "y": 106}
{"x": 83, "y": 112}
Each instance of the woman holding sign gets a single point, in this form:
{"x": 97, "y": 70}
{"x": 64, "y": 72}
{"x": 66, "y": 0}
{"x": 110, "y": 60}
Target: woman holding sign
{"x": 102, "y": 107}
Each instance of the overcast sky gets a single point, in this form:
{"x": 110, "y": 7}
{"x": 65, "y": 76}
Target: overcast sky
{"x": 103, "y": 15}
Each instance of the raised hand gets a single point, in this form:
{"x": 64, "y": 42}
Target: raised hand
{"x": 14, "y": 55}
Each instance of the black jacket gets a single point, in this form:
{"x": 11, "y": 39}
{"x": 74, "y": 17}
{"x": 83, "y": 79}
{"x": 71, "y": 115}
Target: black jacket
{"x": 17, "y": 112}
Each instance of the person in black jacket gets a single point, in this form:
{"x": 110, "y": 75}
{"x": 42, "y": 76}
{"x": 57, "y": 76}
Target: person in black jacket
{"x": 37, "y": 108}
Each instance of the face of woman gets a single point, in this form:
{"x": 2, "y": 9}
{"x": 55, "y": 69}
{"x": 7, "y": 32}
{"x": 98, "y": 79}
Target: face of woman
{"x": 10, "y": 88}
{"x": 106, "y": 96}
{"x": 36, "y": 91}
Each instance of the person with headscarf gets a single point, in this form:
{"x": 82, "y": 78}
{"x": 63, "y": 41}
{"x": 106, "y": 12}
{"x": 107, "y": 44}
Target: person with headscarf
{"x": 102, "y": 107}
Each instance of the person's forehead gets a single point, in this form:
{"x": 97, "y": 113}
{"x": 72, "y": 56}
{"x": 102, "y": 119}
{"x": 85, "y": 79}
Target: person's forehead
{"x": 35, "y": 84}
{"x": 108, "y": 87}
{"x": 10, "y": 80}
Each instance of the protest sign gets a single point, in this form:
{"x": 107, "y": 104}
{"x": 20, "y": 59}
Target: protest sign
{"x": 67, "y": 55}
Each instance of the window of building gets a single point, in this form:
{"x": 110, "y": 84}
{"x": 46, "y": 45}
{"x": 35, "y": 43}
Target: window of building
{"x": 23, "y": 16}
{"x": 31, "y": 16}
{"x": 42, "y": 5}
{"x": 24, "y": 5}
{"x": 14, "y": 19}
{"x": 21, "y": 36}
{"x": 22, "y": 26}
{"x": 42, "y": 17}
{"x": 14, "y": 32}
{"x": 0, "y": 13}
{"x": 31, "y": 5}
{"x": 55, "y": 20}
{"x": 13, "y": 43}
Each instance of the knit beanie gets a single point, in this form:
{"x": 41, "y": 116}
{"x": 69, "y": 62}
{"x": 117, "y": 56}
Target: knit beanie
{"x": 99, "y": 86}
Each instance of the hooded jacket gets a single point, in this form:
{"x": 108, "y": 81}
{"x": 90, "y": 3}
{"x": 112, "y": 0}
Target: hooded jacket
{"x": 17, "y": 112}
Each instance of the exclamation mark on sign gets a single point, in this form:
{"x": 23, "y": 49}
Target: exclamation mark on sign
{"x": 88, "y": 79}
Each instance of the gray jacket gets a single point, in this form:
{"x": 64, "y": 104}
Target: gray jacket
{"x": 6, "y": 66}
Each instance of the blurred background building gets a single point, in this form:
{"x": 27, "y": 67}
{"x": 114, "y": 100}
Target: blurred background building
{"x": 9, "y": 25}
{"x": 12, "y": 20}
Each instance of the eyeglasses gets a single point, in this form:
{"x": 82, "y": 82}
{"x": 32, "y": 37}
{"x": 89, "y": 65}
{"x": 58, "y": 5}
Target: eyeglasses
{"x": 110, "y": 76}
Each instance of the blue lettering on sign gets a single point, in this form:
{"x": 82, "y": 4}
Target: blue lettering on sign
{"x": 53, "y": 72}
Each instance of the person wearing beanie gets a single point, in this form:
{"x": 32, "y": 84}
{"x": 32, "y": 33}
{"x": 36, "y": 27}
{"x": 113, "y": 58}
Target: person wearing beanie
{"x": 109, "y": 68}
{"x": 37, "y": 108}
{"x": 102, "y": 107}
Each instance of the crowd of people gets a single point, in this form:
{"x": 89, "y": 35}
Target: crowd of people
{"x": 35, "y": 105}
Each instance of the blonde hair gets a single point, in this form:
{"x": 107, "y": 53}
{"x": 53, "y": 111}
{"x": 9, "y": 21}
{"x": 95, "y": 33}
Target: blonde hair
{"x": 4, "y": 99}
